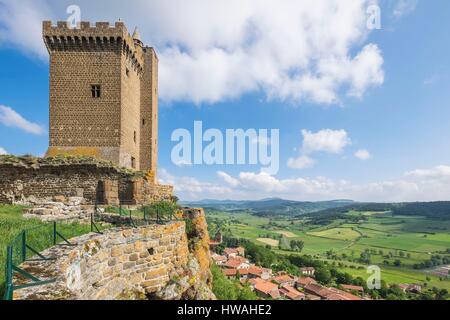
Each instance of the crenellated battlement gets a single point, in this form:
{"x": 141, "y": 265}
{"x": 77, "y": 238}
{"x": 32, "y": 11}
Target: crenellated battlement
{"x": 99, "y": 37}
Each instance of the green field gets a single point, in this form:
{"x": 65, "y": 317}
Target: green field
{"x": 347, "y": 234}
{"x": 407, "y": 240}
{"x": 39, "y": 236}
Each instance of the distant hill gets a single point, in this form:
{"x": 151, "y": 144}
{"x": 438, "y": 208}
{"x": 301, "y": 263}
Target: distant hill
{"x": 435, "y": 210}
{"x": 269, "y": 207}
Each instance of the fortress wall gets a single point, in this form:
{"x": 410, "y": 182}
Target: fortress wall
{"x": 113, "y": 265}
{"x": 28, "y": 184}
{"x": 153, "y": 261}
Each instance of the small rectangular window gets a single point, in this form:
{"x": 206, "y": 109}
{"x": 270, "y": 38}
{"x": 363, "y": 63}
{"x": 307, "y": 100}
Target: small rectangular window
{"x": 134, "y": 137}
{"x": 127, "y": 72}
{"x": 96, "y": 91}
{"x": 143, "y": 122}
{"x": 133, "y": 162}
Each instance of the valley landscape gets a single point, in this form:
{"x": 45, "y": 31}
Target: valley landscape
{"x": 410, "y": 247}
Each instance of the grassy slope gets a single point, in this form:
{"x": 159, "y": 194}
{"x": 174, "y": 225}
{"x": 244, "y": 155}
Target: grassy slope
{"x": 12, "y": 223}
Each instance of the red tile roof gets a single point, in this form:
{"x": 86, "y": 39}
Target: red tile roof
{"x": 218, "y": 258}
{"x": 291, "y": 293}
{"x": 231, "y": 251}
{"x": 305, "y": 281}
{"x": 352, "y": 287}
{"x": 282, "y": 279}
{"x": 266, "y": 287}
{"x": 257, "y": 271}
{"x": 229, "y": 272}
{"x": 233, "y": 263}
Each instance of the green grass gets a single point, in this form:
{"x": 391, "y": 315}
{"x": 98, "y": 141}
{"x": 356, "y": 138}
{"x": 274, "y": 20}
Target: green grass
{"x": 416, "y": 237}
{"x": 347, "y": 234}
{"x": 39, "y": 235}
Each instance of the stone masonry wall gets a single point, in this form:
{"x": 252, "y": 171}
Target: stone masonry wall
{"x": 119, "y": 125}
{"x": 164, "y": 262}
{"x": 114, "y": 265}
{"x": 30, "y": 183}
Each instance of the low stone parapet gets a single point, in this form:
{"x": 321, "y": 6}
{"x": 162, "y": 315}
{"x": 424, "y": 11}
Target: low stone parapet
{"x": 119, "y": 264}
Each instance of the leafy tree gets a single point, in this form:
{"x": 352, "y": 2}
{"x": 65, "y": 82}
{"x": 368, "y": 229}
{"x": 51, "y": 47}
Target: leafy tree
{"x": 323, "y": 275}
{"x": 297, "y": 245}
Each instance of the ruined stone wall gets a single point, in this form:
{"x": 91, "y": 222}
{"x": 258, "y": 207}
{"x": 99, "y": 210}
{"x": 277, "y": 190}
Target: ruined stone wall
{"x": 150, "y": 262}
{"x": 112, "y": 265}
{"x": 34, "y": 183}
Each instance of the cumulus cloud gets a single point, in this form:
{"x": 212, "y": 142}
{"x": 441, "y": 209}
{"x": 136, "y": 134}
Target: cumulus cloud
{"x": 439, "y": 172}
{"x": 404, "y": 7}
{"x": 228, "y": 179}
{"x": 21, "y": 25}
{"x": 431, "y": 184}
{"x": 192, "y": 188}
{"x": 301, "y": 162}
{"x": 3, "y": 152}
{"x": 11, "y": 118}
{"x": 326, "y": 140}
{"x": 363, "y": 154}
{"x": 212, "y": 51}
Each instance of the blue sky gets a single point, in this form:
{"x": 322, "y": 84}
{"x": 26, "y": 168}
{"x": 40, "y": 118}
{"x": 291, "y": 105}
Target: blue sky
{"x": 387, "y": 90}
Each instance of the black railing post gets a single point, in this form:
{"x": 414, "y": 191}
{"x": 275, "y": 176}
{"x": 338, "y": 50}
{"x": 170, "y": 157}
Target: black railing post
{"x": 24, "y": 246}
{"x": 54, "y": 233}
{"x": 9, "y": 274}
{"x": 92, "y": 221}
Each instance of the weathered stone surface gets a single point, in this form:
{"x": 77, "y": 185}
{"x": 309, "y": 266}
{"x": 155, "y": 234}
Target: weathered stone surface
{"x": 69, "y": 184}
{"x": 109, "y": 266}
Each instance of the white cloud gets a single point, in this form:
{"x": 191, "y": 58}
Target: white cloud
{"x": 262, "y": 181}
{"x": 439, "y": 172}
{"x": 3, "y": 152}
{"x": 218, "y": 50}
{"x": 327, "y": 140}
{"x": 228, "y": 179}
{"x": 21, "y": 25}
{"x": 363, "y": 154}
{"x": 183, "y": 163}
{"x": 301, "y": 162}
{"x": 11, "y": 118}
{"x": 404, "y": 7}
{"x": 192, "y": 188}
{"x": 431, "y": 184}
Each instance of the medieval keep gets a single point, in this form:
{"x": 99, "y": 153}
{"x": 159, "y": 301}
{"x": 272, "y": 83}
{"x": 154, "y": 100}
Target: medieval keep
{"x": 103, "y": 94}
{"x": 103, "y": 106}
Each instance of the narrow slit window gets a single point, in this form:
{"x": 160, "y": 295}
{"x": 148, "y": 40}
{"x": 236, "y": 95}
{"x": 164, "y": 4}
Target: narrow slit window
{"x": 96, "y": 91}
{"x": 134, "y": 136}
{"x": 127, "y": 72}
{"x": 133, "y": 162}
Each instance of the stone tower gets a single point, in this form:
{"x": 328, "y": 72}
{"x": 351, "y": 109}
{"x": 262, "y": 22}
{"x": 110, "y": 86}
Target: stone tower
{"x": 103, "y": 94}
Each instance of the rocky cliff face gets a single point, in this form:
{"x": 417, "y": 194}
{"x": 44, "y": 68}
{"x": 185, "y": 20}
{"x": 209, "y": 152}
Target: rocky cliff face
{"x": 196, "y": 281}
